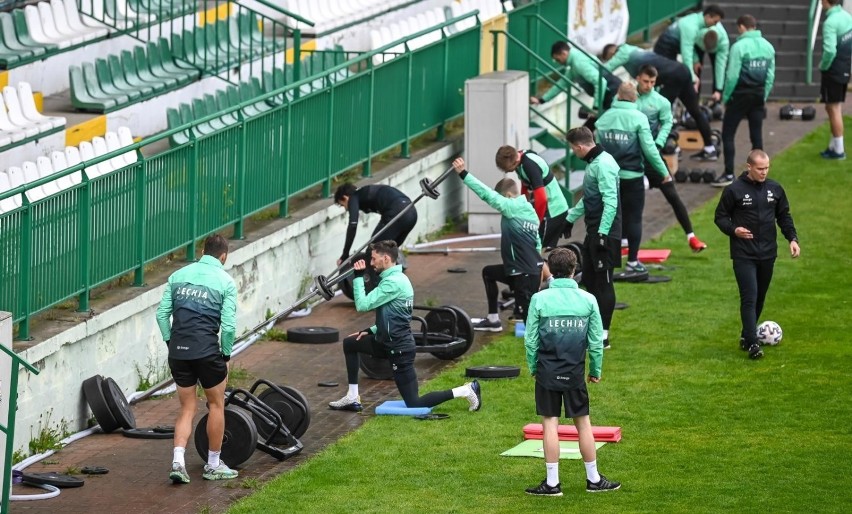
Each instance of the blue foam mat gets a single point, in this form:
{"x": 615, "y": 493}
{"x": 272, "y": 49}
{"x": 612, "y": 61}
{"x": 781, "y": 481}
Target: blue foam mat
{"x": 398, "y": 408}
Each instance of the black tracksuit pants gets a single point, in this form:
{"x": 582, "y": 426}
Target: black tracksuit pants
{"x": 746, "y": 106}
{"x": 523, "y": 286}
{"x": 632, "y": 205}
{"x": 678, "y": 85}
{"x": 753, "y": 278}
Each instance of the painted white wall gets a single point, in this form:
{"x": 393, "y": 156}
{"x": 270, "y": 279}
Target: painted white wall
{"x": 117, "y": 341}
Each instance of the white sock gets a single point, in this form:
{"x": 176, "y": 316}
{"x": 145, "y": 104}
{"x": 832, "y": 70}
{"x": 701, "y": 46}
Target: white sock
{"x": 690, "y": 236}
{"x": 632, "y": 263}
{"x": 213, "y": 458}
{"x": 552, "y": 473}
{"x": 461, "y": 391}
{"x": 606, "y": 334}
{"x": 493, "y": 317}
{"x": 837, "y": 143}
{"x": 710, "y": 149}
{"x": 624, "y": 242}
{"x": 178, "y": 456}
{"x": 353, "y": 391}
{"x": 592, "y": 472}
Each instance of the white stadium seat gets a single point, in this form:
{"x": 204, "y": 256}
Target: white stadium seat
{"x": 31, "y": 175}
{"x": 28, "y": 107}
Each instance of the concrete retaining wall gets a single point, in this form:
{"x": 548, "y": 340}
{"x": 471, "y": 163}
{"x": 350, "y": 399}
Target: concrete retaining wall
{"x": 124, "y": 343}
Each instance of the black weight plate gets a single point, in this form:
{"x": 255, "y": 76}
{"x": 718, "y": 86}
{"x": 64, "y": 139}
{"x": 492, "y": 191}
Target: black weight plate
{"x": 375, "y": 367}
{"x": 239, "y": 441}
{"x": 620, "y": 306}
{"x": 313, "y": 335}
{"x": 94, "y": 470}
{"x": 118, "y": 404}
{"x": 296, "y": 421}
{"x": 443, "y": 322}
{"x": 146, "y": 433}
{"x": 53, "y": 478}
{"x": 456, "y": 270}
{"x": 432, "y": 416}
{"x": 93, "y": 391}
{"x": 328, "y": 384}
{"x": 492, "y": 371}
{"x": 165, "y": 429}
{"x": 630, "y": 276}
{"x": 656, "y": 279}
{"x": 345, "y": 286}
{"x": 577, "y": 249}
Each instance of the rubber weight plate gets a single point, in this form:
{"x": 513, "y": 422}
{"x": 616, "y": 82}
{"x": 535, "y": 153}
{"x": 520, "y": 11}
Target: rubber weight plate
{"x": 118, "y": 404}
{"x": 630, "y": 276}
{"x": 290, "y": 410}
{"x": 93, "y": 391}
{"x": 146, "y": 433}
{"x": 444, "y": 322}
{"x": 239, "y": 441}
{"x": 492, "y": 371}
{"x": 53, "y": 478}
{"x": 375, "y": 367}
{"x": 313, "y": 335}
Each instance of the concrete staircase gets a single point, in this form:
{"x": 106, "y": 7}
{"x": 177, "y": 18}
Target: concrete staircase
{"x": 785, "y": 25}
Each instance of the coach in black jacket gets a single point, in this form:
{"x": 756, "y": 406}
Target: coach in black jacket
{"x": 747, "y": 212}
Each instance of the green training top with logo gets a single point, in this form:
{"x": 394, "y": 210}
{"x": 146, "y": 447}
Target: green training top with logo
{"x": 535, "y": 173}
{"x": 563, "y": 322}
{"x": 837, "y": 44}
{"x": 585, "y": 72}
{"x": 658, "y": 110}
{"x": 200, "y": 298}
{"x": 751, "y": 68}
{"x": 520, "y": 244}
{"x": 683, "y": 35}
{"x": 722, "y": 51}
{"x": 624, "y": 132}
{"x": 393, "y": 301}
{"x": 600, "y": 202}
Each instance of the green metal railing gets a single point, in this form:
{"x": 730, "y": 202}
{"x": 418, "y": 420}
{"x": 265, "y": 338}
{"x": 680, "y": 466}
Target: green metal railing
{"x": 644, "y": 14}
{"x": 522, "y": 29}
{"x": 814, "y": 13}
{"x": 62, "y": 246}
{"x": 9, "y": 428}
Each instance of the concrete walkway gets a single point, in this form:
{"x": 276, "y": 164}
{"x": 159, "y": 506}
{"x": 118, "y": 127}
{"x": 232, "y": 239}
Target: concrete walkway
{"x": 138, "y": 478}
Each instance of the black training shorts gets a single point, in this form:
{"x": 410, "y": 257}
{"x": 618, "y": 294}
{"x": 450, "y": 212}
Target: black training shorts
{"x": 831, "y": 91}
{"x": 549, "y": 403}
{"x": 209, "y": 371}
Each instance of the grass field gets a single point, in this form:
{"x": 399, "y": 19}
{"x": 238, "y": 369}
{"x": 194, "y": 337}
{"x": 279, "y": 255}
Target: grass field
{"x": 705, "y": 429}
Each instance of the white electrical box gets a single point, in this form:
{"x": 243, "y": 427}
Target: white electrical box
{"x": 496, "y": 113}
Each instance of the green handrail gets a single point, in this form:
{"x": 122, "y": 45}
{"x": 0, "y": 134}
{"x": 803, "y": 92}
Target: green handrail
{"x": 9, "y": 429}
{"x": 813, "y": 21}
{"x": 283, "y": 11}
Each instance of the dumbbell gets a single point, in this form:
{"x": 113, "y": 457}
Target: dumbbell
{"x": 717, "y": 110}
{"x": 681, "y": 176}
{"x": 695, "y": 175}
{"x": 806, "y": 113}
{"x": 670, "y": 148}
{"x": 708, "y": 176}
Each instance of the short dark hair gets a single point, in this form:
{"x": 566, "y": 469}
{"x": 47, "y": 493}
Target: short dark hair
{"x": 711, "y": 40}
{"x": 580, "y": 136}
{"x": 387, "y": 247}
{"x": 608, "y": 51}
{"x": 648, "y": 70}
{"x": 506, "y": 185}
{"x": 562, "y": 263}
{"x": 714, "y": 10}
{"x": 747, "y": 21}
{"x": 506, "y": 158}
{"x": 835, "y": 2}
{"x": 215, "y": 246}
{"x": 559, "y": 47}
{"x": 347, "y": 189}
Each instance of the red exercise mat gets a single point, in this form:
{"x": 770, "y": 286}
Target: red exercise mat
{"x": 650, "y": 256}
{"x": 569, "y": 433}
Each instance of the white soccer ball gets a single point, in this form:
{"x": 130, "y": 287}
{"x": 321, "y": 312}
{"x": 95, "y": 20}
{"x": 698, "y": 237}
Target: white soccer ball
{"x": 769, "y": 333}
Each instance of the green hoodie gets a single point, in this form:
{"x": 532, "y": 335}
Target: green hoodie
{"x": 393, "y": 300}
{"x": 658, "y": 110}
{"x": 837, "y": 44}
{"x": 520, "y": 245}
{"x": 722, "y": 51}
{"x": 751, "y": 68}
{"x": 563, "y": 322}
{"x": 600, "y": 202}
{"x": 199, "y": 298}
{"x": 624, "y": 132}
{"x": 684, "y": 32}
{"x": 583, "y": 71}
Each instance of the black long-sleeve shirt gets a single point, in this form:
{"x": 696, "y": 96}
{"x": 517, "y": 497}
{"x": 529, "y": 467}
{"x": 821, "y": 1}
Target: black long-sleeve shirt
{"x": 373, "y": 198}
{"x": 757, "y": 206}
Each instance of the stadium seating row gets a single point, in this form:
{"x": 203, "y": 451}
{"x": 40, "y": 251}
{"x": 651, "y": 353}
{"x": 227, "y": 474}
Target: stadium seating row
{"x": 20, "y": 119}
{"x": 16, "y": 176}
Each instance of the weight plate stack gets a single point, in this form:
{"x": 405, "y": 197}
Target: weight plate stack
{"x": 94, "y": 393}
{"x": 118, "y": 405}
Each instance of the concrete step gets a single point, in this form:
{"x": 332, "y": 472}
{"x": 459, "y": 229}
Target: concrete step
{"x": 764, "y": 12}
{"x": 553, "y": 156}
{"x": 796, "y": 91}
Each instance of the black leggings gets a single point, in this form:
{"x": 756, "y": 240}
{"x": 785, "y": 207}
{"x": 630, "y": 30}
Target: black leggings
{"x": 739, "y": 107}
{"x": 403, "y": 371}
{"x": 681, "y": 87}
{"x": 670, "y": 193}
{"x": 598, "y": 280}
{"x": 632, "y": 205}
{"x": 524, "y": 286}
{"x": 401, "y": 227}
{"x": 753, "y": 278}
